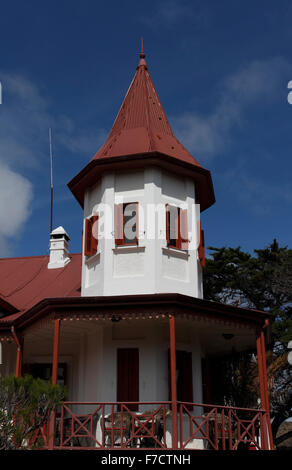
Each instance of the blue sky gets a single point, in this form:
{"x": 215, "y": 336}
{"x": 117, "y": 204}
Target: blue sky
{"x": 221, "y": 70}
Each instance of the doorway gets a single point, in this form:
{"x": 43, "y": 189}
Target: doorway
{"x": 128, "y": 376}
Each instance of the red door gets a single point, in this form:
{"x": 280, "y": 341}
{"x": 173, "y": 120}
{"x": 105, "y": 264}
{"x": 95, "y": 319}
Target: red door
{"x": 184, "y": 377}
{"x": 128, "y": 376}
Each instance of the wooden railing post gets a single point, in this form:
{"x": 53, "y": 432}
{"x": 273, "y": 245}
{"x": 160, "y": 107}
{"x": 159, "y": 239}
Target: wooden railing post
{"x": 173, "y": 382}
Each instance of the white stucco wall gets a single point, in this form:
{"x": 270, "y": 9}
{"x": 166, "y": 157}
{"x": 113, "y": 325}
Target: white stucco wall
{"x": 91, "y": 357}
{"x": 152, "y": 340}
{"x": 151, "y": 267}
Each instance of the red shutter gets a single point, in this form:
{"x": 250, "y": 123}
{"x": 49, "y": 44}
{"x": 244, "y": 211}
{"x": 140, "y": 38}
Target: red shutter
{"x": 91, "y": 234}
{"x": 137, "y": 223}
{"x": 94, "y": 234}
{"x": 167, "y": 224}
{"x": 119, "y": 224}
{"x": 184, "y": 239}
{"x": 87, "y": 238}
{"x": 201, "y": 249}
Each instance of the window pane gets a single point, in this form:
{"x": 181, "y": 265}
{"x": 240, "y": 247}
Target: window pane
{"x": 130, "y": 221}
{"x": 173, "y": 225}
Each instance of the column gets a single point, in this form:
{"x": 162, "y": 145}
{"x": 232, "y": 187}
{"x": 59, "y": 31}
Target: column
{"x": 173, "y": 381}
{"x": 263, "y": 383}
{"x": 52, "y": 422}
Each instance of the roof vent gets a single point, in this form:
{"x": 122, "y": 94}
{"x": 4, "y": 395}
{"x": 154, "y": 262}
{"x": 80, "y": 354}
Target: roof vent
{"x": 59, "y": 254}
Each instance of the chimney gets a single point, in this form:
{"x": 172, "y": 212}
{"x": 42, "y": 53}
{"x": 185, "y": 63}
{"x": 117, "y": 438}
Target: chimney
{"x": 59, "y": 254}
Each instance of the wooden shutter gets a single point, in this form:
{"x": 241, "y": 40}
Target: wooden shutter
{"x": 183, "y": 235}
{"x": 137, "y": 223}
{"x": 87, "y": 238}
{"x": 119, "y": 224}
{"x": 167, "y": 225}
{"x": 94, "y": 234}
{"x": 91, "y": 234}
{"x": 128, "y": 376}
{"x": 201, "y": 249}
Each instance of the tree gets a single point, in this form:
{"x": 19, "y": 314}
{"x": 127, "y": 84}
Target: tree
{"x": 26, "y": 405}
{"x": 263, "y": 282}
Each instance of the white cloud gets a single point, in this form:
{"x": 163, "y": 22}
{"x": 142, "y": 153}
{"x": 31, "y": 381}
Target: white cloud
{"x": 173, "y": 11}
{"x": 22, "y": 114}
{"x": 256, "y": 195}
{"x": 168, "y": 13}
{"x": 15, "y": 198}
{"x": 209, "y": 135}
{"x": 79, "y": 140}
{"x": 25, "y": 118}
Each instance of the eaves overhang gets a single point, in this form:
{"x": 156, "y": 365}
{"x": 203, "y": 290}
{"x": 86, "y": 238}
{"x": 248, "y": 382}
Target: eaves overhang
{"x": 93, "y": 171}
{"x": 133, "y": 305}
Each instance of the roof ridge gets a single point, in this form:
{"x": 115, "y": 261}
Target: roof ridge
{"x": 33, "y": 256}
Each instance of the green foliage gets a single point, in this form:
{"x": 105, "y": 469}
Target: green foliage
{"x": 240, "y": 388}
{"x": 26, "y": 405}
{"x": 262, "y": 282}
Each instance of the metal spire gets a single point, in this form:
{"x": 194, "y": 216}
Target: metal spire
{"x": 51, "y": 179}
{"x": 142, "y": 56}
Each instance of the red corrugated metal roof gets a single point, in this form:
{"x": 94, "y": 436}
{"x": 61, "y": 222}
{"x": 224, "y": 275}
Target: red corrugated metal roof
{"x": 26, "y": 281}
{"x": 141, "y": 124}
{"x": 141, "y": 130}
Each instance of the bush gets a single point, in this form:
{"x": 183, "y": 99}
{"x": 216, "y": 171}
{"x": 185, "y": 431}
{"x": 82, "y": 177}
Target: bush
{"x": 26, "y": 404}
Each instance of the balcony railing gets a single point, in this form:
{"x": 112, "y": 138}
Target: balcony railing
{"x": 95, "y": 426}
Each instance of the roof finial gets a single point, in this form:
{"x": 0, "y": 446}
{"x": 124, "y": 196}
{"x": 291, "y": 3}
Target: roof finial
{"x": 142, "y": 55}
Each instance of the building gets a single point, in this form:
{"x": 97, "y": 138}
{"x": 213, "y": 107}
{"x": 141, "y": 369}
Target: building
{"x": 125, "y": 321}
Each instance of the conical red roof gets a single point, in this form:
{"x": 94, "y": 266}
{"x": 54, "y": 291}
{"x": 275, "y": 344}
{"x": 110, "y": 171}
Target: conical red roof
{"x": 141, "y": 135}
{"x": 141, "y": 125}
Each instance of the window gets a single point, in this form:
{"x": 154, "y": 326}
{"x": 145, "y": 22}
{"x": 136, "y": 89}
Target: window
{"x": 126, "y": 223}
{"x": 176, "y": 227}
{"x": 91, "y": 234}
{"x": 44, "y": 371}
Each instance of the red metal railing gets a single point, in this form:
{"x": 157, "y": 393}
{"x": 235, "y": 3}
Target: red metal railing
{"x": 222, "y": 427}
{"x": 114, "y": 425}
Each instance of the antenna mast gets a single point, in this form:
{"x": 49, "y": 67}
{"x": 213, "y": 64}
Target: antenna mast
{"x": 52, "y": 187}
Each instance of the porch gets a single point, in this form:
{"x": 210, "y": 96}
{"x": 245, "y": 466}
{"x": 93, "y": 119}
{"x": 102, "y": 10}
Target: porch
{"x": 135, "y": 376}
